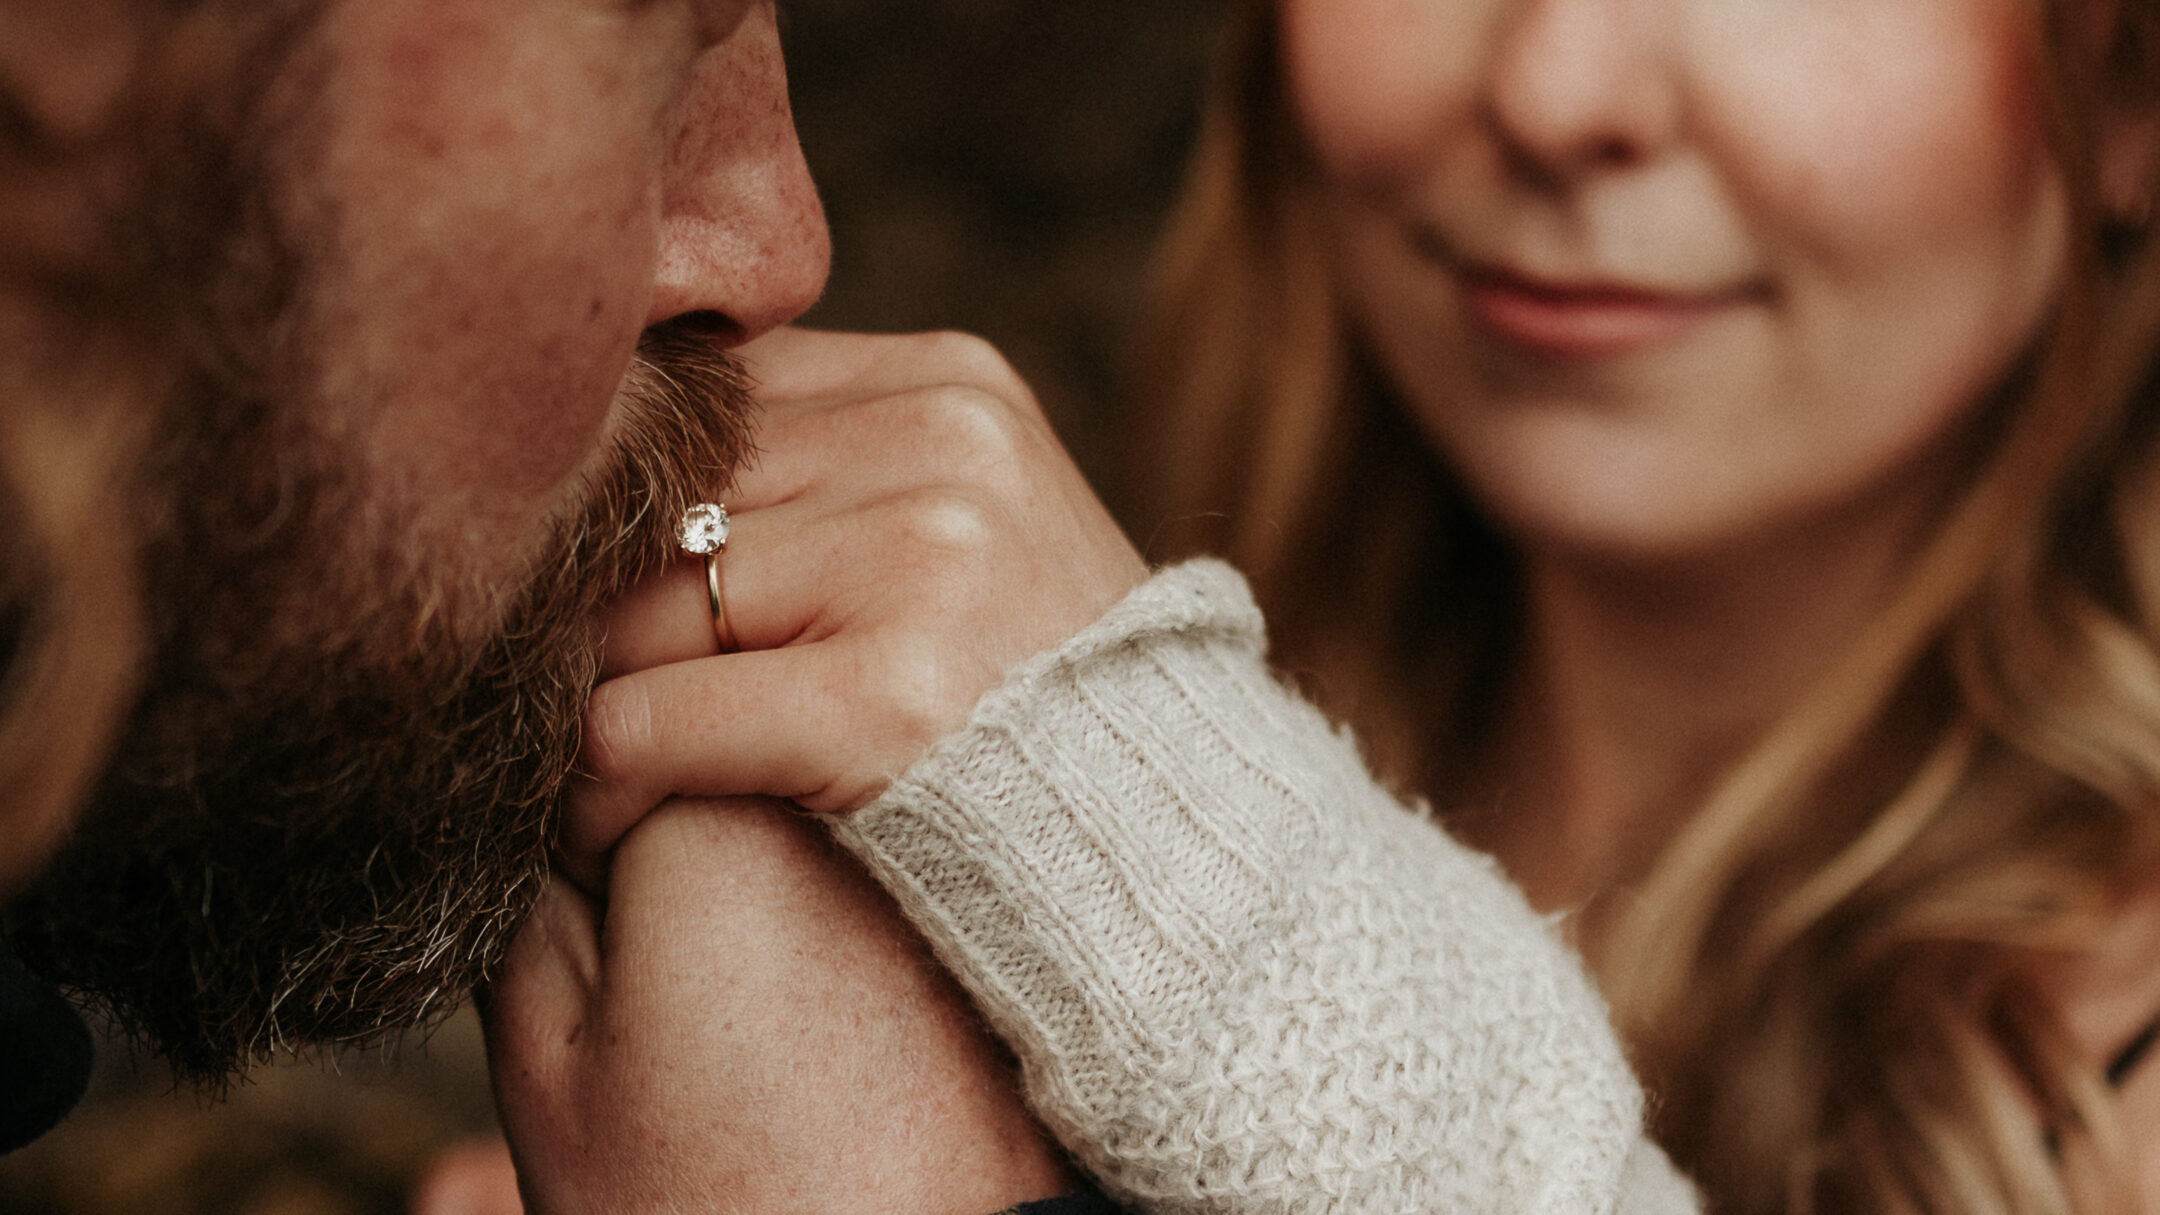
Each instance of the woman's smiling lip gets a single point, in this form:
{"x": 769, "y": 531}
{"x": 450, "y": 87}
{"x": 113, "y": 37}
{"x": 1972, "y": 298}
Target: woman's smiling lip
{"x": 1587, "y": 318}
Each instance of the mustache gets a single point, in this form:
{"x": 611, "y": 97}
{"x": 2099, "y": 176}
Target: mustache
{"x": 692, "y": 427}
{"x": 346, "y": 850}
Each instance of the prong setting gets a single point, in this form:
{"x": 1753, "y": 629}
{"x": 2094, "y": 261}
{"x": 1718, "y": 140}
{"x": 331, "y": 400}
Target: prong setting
{"x": 703, "y": 530}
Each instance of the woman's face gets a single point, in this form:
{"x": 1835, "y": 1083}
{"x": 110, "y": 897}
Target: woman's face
{"x": 1664, "y": 276}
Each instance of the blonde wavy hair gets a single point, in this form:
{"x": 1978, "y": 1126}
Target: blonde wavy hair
{"x": 1829, "y": 979}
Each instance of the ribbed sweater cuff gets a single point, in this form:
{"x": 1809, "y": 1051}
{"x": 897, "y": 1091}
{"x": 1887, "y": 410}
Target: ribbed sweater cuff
{"x": 1091, "y": 851}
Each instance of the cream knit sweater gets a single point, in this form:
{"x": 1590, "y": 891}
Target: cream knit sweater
{"x": 1239, "y": 976}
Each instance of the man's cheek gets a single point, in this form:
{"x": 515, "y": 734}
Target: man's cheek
{"x": 547, "y": 423}
{"x": 499, "y": 452}
{"x": 507, "y": 412}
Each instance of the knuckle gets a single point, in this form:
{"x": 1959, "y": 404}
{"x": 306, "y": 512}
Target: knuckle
{"x": 618, "y": 723}
{"x": 953, "y": 357}
{"x": 972, "y": 429}
{"x": 968, "y": 358}
{"x": 946, "y": 525}
{"x": 918, "y": 685}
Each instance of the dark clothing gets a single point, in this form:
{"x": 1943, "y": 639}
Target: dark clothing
{"x": 1086, "y": 1202}
{"x": 45, "y": 1055}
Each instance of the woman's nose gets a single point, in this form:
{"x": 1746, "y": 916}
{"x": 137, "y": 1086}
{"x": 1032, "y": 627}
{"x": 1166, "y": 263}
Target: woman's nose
{"x": 1576, "y": 86}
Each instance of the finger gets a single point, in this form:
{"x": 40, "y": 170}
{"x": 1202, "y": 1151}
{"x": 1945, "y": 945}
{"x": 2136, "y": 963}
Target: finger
{"x": 863, "y": 443}
{"x": 758, "y": 722}
{"x": 791, "y": 362}
{"x": 543, "y": 993}
{"x": 793, "y": 365}
{"x": 941, "y": 438}
{"x": 792, "y": 572}
{"x": 773, "y": 578}
{"x": 536, "y": 1011}
{"x": 665, "y": 618}
{"x": 668, "y": 730}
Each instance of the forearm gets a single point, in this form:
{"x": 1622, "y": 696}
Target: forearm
{"x": 749, "y": 1028}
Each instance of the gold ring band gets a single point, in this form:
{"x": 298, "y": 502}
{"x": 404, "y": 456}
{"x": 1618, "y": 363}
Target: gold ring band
{"x": 722, "y": 631}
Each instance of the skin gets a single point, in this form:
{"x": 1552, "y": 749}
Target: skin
{"x": 912, "y": 529}
{"x": 514, "y": 197}
{"x": 97, "y": 44}
{"x": 1834, "y": 224}
{"x": 1696, "y": 298}
{"x": 641, "y": 1068}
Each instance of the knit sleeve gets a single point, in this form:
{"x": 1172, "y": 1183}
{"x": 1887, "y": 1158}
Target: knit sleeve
{"x": 1238, "y": 975}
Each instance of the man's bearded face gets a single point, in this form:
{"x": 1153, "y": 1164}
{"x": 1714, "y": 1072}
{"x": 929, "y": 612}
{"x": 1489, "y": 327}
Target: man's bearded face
{"x": 404, "y": 466}
{"x": 318, "y": 834}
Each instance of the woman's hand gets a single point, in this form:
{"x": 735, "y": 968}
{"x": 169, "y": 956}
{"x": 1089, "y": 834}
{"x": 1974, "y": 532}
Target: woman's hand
{"x": 911, "y": 530}
{"x": 747, "y": 1023}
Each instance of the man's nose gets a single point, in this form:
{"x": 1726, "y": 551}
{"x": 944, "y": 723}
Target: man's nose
{"x": 742, "y": 234}
{"x": 1579, "y": 85}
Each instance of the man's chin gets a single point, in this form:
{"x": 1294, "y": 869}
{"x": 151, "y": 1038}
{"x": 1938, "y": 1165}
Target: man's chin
{"x": 308, "y": 890}
{"x": 341, "y": 845}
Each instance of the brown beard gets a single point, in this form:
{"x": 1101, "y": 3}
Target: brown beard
{"x": 336, "y": 800}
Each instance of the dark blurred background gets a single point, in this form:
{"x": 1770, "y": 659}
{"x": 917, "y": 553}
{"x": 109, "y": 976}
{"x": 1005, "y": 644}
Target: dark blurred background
{"x": 1001, "y": 167}
{"x": 987, "y": 165}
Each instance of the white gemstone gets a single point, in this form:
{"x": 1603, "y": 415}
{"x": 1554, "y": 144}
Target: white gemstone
{"x": 703, "y": 530}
